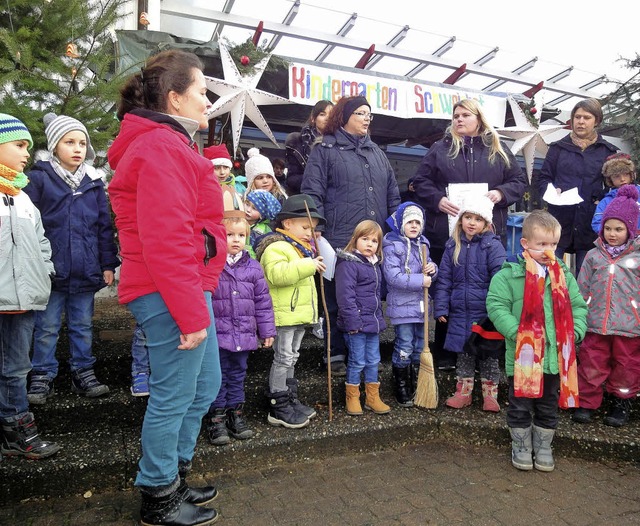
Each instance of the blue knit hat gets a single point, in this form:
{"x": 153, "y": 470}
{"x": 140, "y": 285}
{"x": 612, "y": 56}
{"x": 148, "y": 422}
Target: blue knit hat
{"x": 12, "y": 129}
{"x": 265, "y": 203}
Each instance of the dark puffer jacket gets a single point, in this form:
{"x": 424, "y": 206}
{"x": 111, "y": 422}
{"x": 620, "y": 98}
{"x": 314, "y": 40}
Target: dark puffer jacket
{"x": 567, "y": 166}
{"x": 351, "y": 180}
{"x": 242, "y": 306}
{"x": 298, "y": 147}
{"x": 437, "y": 170}
{"x": 77, "y": 223}
{"x": 358, "y": 287}
{"x": 461, "y": 290}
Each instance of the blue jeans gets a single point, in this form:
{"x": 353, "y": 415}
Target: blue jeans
{"x": 78, "y": 310}
{"x": 408, "y": 344}
{"x": 16, "y": 331}
{"x": 139, "y": 352}
{"x": 364, "y": 355}
{"x": 182, "y": 386}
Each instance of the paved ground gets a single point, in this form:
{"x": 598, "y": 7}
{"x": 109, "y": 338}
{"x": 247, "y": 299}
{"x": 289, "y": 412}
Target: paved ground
{"x": 432, "y": 483}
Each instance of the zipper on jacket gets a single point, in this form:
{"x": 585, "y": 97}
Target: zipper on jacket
{"x": 8, "y": 201}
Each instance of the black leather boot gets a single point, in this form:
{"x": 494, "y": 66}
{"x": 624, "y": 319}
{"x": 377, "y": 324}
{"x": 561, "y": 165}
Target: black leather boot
{"x": 401, "y": 377}
{"x": 173, "y": 510}
{"x": 414, "y": 371}
{"x": 197, "y": 496}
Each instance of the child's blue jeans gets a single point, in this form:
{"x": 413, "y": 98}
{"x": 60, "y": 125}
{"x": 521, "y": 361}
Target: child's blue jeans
{"x": 408, "y": 344}
{"x": 78, "y": 310}
{"x": 364, "y": 355}
{"x": 139, "y": 352}
{"x": 16, "y": 331}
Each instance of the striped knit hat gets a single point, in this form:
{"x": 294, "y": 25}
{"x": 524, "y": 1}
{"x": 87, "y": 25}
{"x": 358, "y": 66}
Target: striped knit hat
{"x": 56, "y": 127}
{"x": 12, "y": 129}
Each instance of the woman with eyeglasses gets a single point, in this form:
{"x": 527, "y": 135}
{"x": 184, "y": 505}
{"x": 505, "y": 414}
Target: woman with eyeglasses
{"x": 469, "y": 152}
{"x": 350, "y": 179}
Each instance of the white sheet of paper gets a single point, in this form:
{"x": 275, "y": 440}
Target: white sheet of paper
{"x": 570, "y": 197}
{"x": 329, "y": 257}
{"x": 457, "y": 192}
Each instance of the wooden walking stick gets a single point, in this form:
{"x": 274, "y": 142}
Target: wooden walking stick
{"x": 427, "y": 390}
{"x": 328, "y": 332}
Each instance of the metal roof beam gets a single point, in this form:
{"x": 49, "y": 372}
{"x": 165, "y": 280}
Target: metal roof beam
{"x": 437, "y": 53}
{"x": 341, "y": 33}
{"x": 293, "y": 12}
{"x": 518, "y": 71}
{"x": 561, "y": 75}
{"x": 399, "y": 37}
{"x": 228, "y": 5}
{"x": 179, "y": 9}
{"x": 586, "y": 86}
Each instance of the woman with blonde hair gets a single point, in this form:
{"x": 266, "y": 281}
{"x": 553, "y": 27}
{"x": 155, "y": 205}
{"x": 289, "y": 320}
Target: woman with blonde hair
{"x": 469, "y": 152}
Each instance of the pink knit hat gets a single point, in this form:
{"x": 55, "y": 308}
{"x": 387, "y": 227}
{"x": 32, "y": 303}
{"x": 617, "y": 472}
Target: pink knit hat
{"x": 625, "y": 208}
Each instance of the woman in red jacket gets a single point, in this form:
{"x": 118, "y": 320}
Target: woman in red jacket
{"x": 168, "y": 208}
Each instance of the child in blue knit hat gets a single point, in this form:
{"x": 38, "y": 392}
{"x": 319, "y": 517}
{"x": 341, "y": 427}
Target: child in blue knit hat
{"x": 70, "y": 195}
{"x": 25, "y": 285}
{"x": 261, "y": 208}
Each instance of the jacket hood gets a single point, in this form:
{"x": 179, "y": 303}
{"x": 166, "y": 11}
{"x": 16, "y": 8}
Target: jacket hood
{"x": 264, "y": 241}
{"x": 139, "y": 122}
{"x": 395, "y": 220}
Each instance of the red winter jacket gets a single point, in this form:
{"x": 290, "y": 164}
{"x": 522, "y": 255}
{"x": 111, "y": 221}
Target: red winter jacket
{"x": 168, "y": 207}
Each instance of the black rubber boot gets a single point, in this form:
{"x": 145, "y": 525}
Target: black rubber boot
{"x": 401, "y": 377}
{"x": 217, "y": 427}
{"x": 282, "y": 413}
{"x": 21, "y": 439}
{"x": 174, "y": 510}
{"x": 236, "y": 424}
{"x": 414, "y": 370}
{"x": 309, "y": 412}
{"x": 197, "y": 496}
{"x": 619, "y": 414}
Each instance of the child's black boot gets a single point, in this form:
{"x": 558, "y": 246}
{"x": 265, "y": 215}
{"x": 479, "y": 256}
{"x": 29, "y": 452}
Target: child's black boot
{"x": 414, "y": 370}
{"x": 309, "y": 412}
{"x": 217, "y": 427}
{"x": 236, "y": 424}
{"x": 282, "y": 413}
{"x": 402, "y": 380}
{"x": 21, "y": 439}
{"x": 582, "y": 415}
{"x": 85, "y": 383}
{"x": 619, "y": 414}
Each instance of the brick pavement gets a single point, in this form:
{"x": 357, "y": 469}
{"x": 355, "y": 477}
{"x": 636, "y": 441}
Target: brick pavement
{"x": 430, "y": 483}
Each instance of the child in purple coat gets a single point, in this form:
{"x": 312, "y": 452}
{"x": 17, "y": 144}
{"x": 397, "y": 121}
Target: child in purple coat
{"x": 407, "y": 275}
{"x": 358, "y": 285}
{"x": 472, "y": 256}
{"x": 244, "y": 321}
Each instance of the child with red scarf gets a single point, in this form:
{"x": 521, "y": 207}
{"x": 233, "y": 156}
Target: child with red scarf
{"x": 535, "y": 303}
{"x": 608, "y": 279}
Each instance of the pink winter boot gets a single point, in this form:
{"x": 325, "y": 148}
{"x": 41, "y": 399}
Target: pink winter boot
{"x": 462, "y": 396}
{"x": 490, "y": 396}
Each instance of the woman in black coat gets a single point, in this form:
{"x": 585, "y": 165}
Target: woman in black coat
{"x": 470, "y": 152}
{"x": 575, "y": 161}
{"x": 298, "y": 144}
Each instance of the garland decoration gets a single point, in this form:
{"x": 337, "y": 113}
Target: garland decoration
{"x": 246, "y": 56}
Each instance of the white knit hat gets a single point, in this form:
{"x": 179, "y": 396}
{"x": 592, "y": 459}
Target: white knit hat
{"x": 57, "y": 126}
{"x": 411, "y": 213}
{"x": 478, "y": 204}
{"x": 257, "y": 165}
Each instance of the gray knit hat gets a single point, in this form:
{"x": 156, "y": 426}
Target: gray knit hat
{"x": 12, "y": 129}
{"x": 57, "y": 126}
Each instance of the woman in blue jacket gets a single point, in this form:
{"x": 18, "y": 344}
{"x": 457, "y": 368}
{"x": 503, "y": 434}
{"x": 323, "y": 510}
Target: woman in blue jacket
{"x": 351, "y": 180}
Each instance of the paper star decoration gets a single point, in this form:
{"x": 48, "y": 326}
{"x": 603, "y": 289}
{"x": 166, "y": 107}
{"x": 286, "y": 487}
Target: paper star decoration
{"x": 238, "y": 95}
{"x": 527, "y": 137}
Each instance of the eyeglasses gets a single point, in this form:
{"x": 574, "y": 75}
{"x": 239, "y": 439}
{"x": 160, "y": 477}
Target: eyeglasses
{"x": 364, "y": 115}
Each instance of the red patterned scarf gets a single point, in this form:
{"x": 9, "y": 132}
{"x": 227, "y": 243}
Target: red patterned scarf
{"x": 530, "y": 343}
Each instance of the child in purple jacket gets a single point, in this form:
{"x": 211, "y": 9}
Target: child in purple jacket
{"x": 406, "y": 276}
{"x": 243, "y": 313}
{"x": 358, "y": 286}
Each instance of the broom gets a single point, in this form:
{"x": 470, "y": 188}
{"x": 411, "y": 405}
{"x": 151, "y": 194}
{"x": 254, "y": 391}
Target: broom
{"x": 427, "y": 389}
{"x": 328, "y": 333}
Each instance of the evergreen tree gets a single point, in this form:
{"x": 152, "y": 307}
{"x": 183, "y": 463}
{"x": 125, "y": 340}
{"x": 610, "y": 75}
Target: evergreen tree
{"x": 59, "y": 56}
